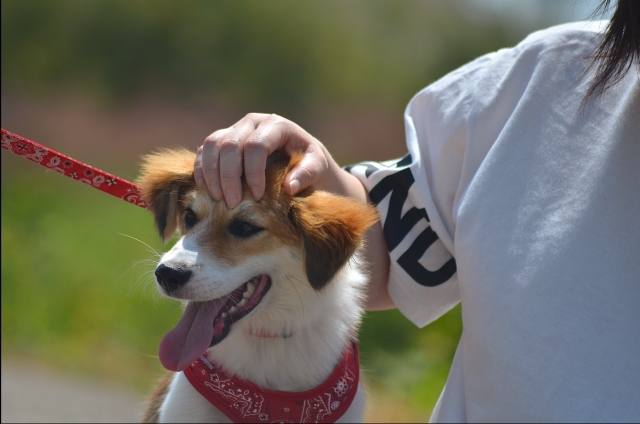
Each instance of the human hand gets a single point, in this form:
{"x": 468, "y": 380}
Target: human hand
{"x": 245, "y": 146}
{"x": 226, "y": 153}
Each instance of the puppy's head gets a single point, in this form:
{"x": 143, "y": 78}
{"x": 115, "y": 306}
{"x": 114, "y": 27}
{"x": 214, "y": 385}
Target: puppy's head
{"x": 246, "y": 261}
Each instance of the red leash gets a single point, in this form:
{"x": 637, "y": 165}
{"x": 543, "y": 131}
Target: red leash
{"x": 72, "y": 168}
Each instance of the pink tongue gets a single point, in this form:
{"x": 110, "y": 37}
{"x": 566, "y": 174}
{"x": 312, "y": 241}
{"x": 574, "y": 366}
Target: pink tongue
{"x": 191, "y": 337}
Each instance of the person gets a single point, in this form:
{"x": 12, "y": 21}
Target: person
{"x": 519, "y": 198}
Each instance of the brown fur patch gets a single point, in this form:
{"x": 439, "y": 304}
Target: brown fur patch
{"x": 332, "y": 227}
{"x": 152, "y": 412}
{"x": 166, "y": 177}
{"x": 327, "y": 228}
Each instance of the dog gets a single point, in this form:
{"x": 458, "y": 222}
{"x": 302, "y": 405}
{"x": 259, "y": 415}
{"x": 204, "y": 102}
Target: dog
{"x": 273, "y": 291}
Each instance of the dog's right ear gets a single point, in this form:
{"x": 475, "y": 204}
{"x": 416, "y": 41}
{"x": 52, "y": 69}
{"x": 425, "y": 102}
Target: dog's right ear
{"x": 166, "y": 176}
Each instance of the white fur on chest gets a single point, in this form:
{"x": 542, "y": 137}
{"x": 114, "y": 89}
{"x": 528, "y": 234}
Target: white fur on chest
{"x": 299, "y": 363}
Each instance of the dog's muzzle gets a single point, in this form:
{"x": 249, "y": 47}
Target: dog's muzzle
{"x": 171, "y": 279}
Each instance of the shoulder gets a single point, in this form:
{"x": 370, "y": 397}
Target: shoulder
{"x": 567, "y": 44}
{"x": 587, "y": 32}
{"x": 551, "y": 60}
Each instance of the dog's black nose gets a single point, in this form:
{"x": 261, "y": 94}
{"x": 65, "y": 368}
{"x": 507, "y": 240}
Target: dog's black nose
{"x": 171, "y": 279}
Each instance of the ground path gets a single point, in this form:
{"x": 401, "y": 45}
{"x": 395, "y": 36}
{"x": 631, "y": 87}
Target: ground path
{"x": 35, "y": 394}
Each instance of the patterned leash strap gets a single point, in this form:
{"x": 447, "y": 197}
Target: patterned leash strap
{"x": 72, "y": 168}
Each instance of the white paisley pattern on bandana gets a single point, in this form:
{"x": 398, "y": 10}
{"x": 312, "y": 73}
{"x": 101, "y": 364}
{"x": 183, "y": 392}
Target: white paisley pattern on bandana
{"x": 243, "y": 401}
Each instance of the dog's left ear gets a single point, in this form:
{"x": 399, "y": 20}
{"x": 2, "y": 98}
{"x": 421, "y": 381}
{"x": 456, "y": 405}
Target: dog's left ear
{"x": 332, "y": 228}
{"x": 165, "y": 178}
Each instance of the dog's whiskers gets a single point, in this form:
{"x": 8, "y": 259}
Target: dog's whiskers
{"x": 139, "y": 262}
{"x": 226, "y": 298}
{"x": 154, "y": 251}
{"x": 133, "y": 285}
{"x": 298, "y": 259}
{"x": 304, "y": 284}
{"x": 145, "y": 278}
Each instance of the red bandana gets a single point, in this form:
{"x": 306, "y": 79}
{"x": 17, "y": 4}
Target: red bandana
{"x": 244, "y": 402}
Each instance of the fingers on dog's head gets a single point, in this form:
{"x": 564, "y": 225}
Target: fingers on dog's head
{"x": 166, "y": 176}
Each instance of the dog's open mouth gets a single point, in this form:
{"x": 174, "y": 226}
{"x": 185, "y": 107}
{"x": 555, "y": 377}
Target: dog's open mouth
{"x": 205, "y": 324}
{"x": 239, "y": 303}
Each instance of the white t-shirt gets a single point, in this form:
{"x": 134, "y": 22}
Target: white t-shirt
{"x": 526, "y": 208}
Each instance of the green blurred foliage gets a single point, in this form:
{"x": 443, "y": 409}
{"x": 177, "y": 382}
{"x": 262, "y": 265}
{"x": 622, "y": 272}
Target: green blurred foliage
{"x": 408, "y": 364}
{"x": 278, "y": 55}
{"x": 72, "y": 286}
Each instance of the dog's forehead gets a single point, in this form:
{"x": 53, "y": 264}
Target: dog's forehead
{"x": 202, "y": 204}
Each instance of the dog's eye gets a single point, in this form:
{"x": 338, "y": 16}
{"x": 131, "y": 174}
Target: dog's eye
{"x": 190, "y": 218}
{"x": 243, "y": 229}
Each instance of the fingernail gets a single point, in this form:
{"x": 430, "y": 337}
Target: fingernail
{"x": 255, "y": 192}
{"x": 216, "y": 191}
{"x": 231, "y": 197}
{"x": 294, "y": 185}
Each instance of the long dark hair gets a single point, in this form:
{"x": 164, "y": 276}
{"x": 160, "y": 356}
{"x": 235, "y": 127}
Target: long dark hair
{"x": 619, "y": 49}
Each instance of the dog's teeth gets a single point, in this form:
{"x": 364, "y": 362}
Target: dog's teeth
{"x": 232, "y": 309}
{"x": 250, "y": 289}
{"x": 242, "y": 302}
{"x": 224, "y": 315}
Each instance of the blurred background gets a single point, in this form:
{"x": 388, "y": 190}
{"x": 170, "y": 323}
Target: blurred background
{"x": 107, "y": 81}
